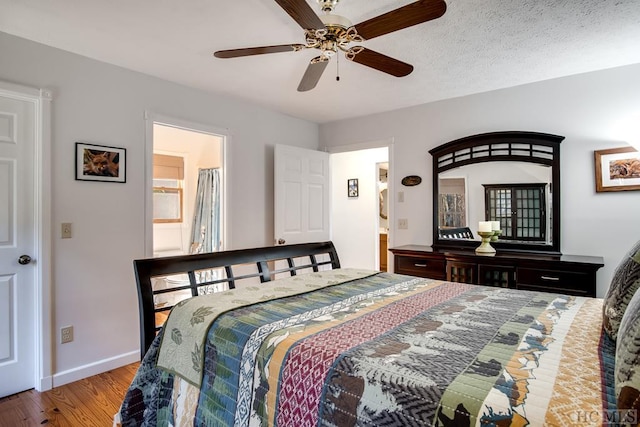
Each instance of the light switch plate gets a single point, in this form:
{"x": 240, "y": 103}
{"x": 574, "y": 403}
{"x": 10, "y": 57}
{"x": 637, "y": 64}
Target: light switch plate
{"x": 65, "y": 230}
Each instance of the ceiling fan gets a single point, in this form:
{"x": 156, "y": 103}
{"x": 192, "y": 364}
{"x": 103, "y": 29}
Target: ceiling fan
{"x": 331, "y": 33}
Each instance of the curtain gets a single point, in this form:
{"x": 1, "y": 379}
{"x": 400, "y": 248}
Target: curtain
{"x": 205, "y": 232}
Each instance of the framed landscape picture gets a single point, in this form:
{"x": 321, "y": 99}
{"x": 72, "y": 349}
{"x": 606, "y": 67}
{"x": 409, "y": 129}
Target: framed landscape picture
{"x": 617, "y": 169}
{"x": 100, "y": 163}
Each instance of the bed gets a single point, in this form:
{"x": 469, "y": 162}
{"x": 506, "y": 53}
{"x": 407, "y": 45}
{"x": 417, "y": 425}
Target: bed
{"x": 306, "y": 342}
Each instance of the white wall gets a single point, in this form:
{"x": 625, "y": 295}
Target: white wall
{"x": 584, "y": 108}
{"x": 354, "y": 220}
{"x": 92, "y": 279}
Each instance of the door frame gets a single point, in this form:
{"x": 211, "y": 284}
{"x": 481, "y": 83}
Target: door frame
{"x": 41, "y": 99}
{"x": 152, "y": 118}
{"x": 389, "y": 143}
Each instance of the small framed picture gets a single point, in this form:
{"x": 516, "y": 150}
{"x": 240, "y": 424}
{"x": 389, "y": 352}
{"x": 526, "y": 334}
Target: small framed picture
{"x": 352, "y": 187}
{"x": 617, "y": 169}
{"x": 100, "y": 163}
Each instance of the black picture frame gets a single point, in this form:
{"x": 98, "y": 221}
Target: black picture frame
{"x": 352, "y": 187}
{"x": 100, "y": 163}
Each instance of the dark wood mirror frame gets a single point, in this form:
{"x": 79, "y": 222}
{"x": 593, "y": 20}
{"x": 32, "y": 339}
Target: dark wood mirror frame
{"x": 513, "y": 146}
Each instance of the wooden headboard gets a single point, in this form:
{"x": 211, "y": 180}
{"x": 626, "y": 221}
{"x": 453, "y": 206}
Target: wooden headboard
{"x": 237, "y": 265}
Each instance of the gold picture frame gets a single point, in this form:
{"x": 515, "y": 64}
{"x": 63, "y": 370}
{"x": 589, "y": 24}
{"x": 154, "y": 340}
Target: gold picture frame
{"x": 617, "y": 169}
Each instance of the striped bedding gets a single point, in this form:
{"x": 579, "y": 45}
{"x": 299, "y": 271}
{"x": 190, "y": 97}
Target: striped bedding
{"x": 389, "y": 350}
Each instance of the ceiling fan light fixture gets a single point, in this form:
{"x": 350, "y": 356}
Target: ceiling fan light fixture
{"x": 327, "y": 5}
{"x": 331, "y": 20}
{"x": 329, "y": 52}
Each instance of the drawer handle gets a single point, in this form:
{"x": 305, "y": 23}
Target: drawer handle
{"x": 551, "y": 278}
{"x": 421, "y": 265}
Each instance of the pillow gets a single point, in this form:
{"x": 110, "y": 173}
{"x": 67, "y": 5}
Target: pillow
{"x": 627, "y": 368}
{"x": 625, "y": 282}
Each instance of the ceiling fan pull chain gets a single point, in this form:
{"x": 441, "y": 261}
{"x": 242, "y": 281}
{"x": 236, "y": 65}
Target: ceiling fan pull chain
{"x": 337, "y": 68}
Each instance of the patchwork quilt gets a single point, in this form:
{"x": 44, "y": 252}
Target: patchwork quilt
{"x": 384, "y": 349}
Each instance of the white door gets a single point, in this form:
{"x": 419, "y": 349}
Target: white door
{"x": 17, "y": 245}
{"x": 302, "y": 190}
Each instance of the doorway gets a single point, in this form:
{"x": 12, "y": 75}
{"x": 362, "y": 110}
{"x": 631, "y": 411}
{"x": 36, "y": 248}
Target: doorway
{"x": 181, "y": 156}
{"x": 356, "y": 223}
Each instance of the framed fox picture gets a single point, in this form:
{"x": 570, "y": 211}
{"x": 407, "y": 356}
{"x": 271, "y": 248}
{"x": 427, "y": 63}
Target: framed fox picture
{"x": 100, "y": 163}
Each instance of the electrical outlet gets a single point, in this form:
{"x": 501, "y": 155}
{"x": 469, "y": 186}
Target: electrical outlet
{"x": 403, "y": 224}
{"x": 65, "y": 230}
{"x": 66, "y": 334}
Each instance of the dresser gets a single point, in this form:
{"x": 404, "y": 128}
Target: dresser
{"x": 566, "y": 274}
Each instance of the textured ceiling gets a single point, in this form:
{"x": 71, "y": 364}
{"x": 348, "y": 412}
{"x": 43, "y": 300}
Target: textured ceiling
{"x": 477, "y": 46}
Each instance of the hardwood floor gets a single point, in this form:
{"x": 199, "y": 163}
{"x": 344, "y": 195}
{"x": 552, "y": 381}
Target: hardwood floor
{"x": 89, "y": 402}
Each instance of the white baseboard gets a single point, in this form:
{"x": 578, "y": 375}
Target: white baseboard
{"x": 95, "y": 368}
{"x": 46, "y": 384}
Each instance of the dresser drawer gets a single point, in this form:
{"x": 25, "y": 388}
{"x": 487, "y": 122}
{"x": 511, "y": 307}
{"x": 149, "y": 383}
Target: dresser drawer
{"x": 571, "y": 282}
{"x": 421, "y": 267}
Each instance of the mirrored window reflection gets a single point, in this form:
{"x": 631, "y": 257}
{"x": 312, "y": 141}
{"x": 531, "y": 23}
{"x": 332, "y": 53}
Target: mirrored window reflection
{"x": 520, "y": 208}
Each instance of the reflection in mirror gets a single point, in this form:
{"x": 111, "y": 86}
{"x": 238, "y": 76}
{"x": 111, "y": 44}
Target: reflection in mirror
{"x": 520, "y": 209}
{"x": 384, "y": 209}
{"x": 383, "y": 171}
{"x": 462, "y": 196}
{"x": 452, "y": 205}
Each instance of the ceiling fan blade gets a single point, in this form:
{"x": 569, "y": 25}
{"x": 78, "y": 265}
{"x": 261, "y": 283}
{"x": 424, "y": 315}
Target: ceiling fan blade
{"x": 403, "y": 17}
{"x": 235, "y": 53}
{"x": 312, "y": 75}
{"x": 302, "y": 13}
{"x": 379, "y": 61}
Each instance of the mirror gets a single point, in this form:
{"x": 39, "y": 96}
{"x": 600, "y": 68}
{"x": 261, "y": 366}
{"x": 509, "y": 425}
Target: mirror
{"x": 383, "y": 196}
{"x": 384, "y": 208}
{"x": 460, "y": 205}
{"x": 471, "y": 177}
